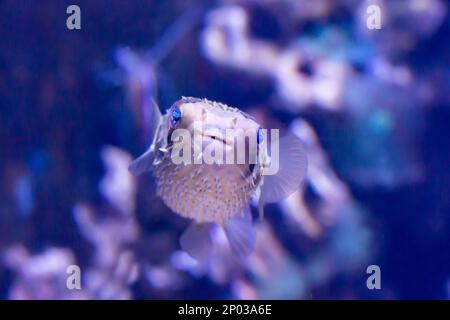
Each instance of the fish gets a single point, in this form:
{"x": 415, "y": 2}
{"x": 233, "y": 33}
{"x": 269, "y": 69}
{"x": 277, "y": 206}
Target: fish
{"x": 218, "y": 193}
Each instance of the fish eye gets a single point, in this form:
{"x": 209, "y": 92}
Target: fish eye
{"x": 176, "y": 116}
{"x": 259, "y": 136}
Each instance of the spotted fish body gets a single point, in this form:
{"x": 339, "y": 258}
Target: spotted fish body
{"x": 215, "y": 193}
{"x": 206, "y": 193}
{"x": 193, "y": 192}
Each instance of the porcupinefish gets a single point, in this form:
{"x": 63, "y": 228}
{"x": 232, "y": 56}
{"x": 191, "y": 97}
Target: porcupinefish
{"x": 218, "y": 192}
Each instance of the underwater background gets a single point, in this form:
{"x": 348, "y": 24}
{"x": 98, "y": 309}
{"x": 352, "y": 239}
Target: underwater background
{"x": 371, "y": 105}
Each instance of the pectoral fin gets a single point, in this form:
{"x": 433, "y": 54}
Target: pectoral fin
{"x": 142, "y": 164}
{"x": 145, "y": 161}
{"x": 292, "y": 165}
{"x": 156, "y": 118}
{"x": 197, "y": 241}
{"x": 241, "y": 234}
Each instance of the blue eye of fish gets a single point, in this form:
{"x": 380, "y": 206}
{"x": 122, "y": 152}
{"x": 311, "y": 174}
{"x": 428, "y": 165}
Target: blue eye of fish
{"x": 259, "y": 136}
{"x": 176, "y": 116}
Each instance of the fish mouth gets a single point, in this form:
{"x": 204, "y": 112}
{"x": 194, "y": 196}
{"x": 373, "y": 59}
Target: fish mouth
{"x": 214, "y": 134}
{"x": 217, "y": 138}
